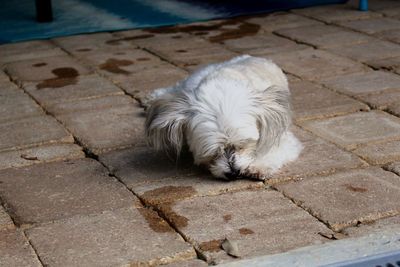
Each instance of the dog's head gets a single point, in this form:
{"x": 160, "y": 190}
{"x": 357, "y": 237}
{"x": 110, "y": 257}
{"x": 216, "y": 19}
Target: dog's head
{"x": 224, "y": 129}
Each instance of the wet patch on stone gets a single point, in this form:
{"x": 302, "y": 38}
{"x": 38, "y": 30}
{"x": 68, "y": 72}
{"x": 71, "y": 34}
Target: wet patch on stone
{"x": 64, "y": 76}
{"x": 155, "y": 222}
{"x": 114, "y": 65}
{"x": 41, "y": 64}
{"x": 211, "y": 246}
{"x": 129, "y": 38}
{"x": 246, "y": 231}
{"x": 355, "y": 188}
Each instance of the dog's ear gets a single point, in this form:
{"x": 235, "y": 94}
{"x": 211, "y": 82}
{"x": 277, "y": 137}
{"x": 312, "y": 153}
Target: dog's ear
{"x": 273, "y": 115}
{"x": 165, "y": 123}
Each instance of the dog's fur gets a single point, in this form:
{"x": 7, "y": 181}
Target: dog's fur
{"x": 233, "y": 116}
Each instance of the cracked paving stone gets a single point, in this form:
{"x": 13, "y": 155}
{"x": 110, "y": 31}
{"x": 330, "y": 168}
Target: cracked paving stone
{"x": 52, "y": 191}
{"x": 371, "y": 227}
{"x": 372, "y": 82}
{"x": 16, "y": 251}
{"x": 353, "y": 130}
{"x": 381, "y": 101}
{"x": 28, "y": 50}
{"x": 380, "y": 153}
{"x": 316, "y": 64}
{"x": 124, "y": 237}
{"x": 368, "y": 51}
{"x": 310, "y": 101}
{"x": 336, "y": 13}
{"x": 322, "y": 36}
{"x": 52, "y": 72}
{"x": 392, "y": 35}
{"x": 317, "y": 158}
{"x": 103, "y": 130}
{"x": 30, "y": 132}
{"x": 260, "y": 221}
{"x": 141, "y": 164}
{"x": 372, "y": 25}
{"x": 86, "y": 87}
{"x": 5, "y": 220}
{"x": 394, "y": 167}
{"x": 40, "y": 154}
{"x": 3, "y": 77}
{"x": 394, "y": 108}
{"x": 392, "y": 64}
{"x": 346, "y": 198}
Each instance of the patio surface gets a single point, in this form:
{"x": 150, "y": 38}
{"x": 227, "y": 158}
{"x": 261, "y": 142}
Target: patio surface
{"x": 79, "y": 186}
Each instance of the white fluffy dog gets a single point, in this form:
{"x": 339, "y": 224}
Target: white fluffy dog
{"x": 233, "y": 116}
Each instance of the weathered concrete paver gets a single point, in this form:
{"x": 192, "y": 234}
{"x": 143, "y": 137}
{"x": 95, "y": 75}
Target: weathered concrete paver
{"x": 394, "y": 108}
{"x": 377, "y": 226}
{"x": 346, "y": 198}
{"x": 50, "y": 71}
{"x": 3, "y": 76}
{"x": 30, "y": 132}
{"x": 381, "y": 101}
{"x": 392, "y": 64}
{"x": 102, "y": 130}
{"x": 310, "y": 101}
{"x": 394, "y": 167}
{"x": 368, "y": 82}
{"x": 16, "y": 251}
{"x": 381, "y": 153}
{"x": 5, "y": 220}
{"x": 189, "y": 263}
{"x": 113, "y": 238}
{"x": 40, "y": 154}
{"x": 323, "y": 36}
{"x": 372, "y": 25}
{"x": 47, "y": 192}
{"x": 350, "y": 131}
{"x": 261, "y": 222}
{"x": 316, "y": 64}
{"x": 391, "y": 35}
{"x": 324, "y": 158}
{"x": 28, "y": 50}
{"x": 84, "y": 87}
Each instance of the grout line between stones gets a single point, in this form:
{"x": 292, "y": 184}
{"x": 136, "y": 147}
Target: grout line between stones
{"x": 34, "y": 249}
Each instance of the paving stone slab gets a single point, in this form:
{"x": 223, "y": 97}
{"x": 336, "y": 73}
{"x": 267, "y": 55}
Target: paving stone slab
{"x": 394, "y": 108}
{"x": 17, "y": 105}
{"x": 346, "y": 198}
{"x": 368, "y": 51}
{"x": 189, "y": 263}
{"x": 30, "y": 132}
{"x": 5, "y": 220}
{"x": 336, "y": 13}
{"x": 99, "y": 103}
{"x": 381, "y": 101}
{"x": 394, "y": 167}
{"x": 16, "y": 251}
{"x": 316, "y": 64}
{"x": 141, "y": 164}
{"x": 3, "y": 77}
{"x": 372, "y": 25}
{"x": 125, "y": 237}
{"x": 391, "y": 35}
{"x": 121, "y": 62}
{"x": 40, "y": 154}
{"x": 28, "y": 50}
{"x": 310, "y": 101}
{"x": 393, "y": 12}
{"x": 48, "y": 70}
{"x": 381, "y": 153}
{"x": 85, "y": 87}
{"x": 52, "y": 191}
{"x": 350, "y": 131}
{"x": 318, "y": 157}
{"x": 261, "y": 222}
{"x": 365, "y": 83}
{"x": 372, "y": 227}
{"x": 142, "y": 83}
{"x": 198, "y": 185}
{"x": 392, "y": 64}
{"x": 102, "y": 130}
{"x": 281, "y": 20}
{"x": 324, "y": 36}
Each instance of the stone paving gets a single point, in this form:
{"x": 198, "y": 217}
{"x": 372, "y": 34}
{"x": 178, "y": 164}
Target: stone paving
{"x": 79, "y": 186}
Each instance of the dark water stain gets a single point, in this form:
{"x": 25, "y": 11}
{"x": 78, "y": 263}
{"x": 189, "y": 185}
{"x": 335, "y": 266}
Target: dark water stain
{"x": 244, "y": 29}
{"x": 64, "y": 76}
{"x": 227, "y": 217}
{"x": 143, "y": 59}
{"x": 155, "y": 222}
{"x": 355, "y": 188}
{"x": 165, "y": 197}
{"x": 212, "y": 245}
{"x": 41, "y": 64}
{"x": 113, "y": 65}
{"x": 83, "y": 50}
{"x": 129, "y": 38}
{"x": 246, "y": 231}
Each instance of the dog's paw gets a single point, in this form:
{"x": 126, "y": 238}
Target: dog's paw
{"x": 256, "y": 174}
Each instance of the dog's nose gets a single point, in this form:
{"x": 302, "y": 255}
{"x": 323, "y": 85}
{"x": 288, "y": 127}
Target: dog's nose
{"x": 232, "y": 175}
